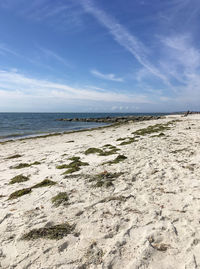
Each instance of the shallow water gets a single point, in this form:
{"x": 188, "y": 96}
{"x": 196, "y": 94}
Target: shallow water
{"x": 19, "y": 125}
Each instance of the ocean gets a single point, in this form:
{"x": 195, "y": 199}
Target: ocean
{"x": 20, "y": 125}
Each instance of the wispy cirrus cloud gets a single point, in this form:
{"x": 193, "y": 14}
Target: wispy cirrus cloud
{"x": 183, "y": 49}
{"x": 59, "y": 14}
{"x": 178, "y": 58}
{"x": 4, "y": 49}
{"x": 124, "y": 38}
{"x": 53, "y": 55}
{"x": 111, "y": 77}
{"x": 49, "y": 57}
{"x": 181, "y": 58}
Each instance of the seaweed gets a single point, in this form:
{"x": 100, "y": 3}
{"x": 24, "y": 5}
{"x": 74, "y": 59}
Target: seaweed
{"x": 21, "y": 165}
{"x": 60, "y": 198}
{"x": 24, "y": 165}
{"x": 118, "y": 159}
{"x": 153, "y": 129}
{"x": 129, "y": 141}
{"x": 104, "y": 179}
{"x": 121, "y": 139}
{"x": 62, "y": 166}
{"x": 93, "y": 151}
{"x": 159, "y": 135}
{"x": 109, "y": 152}
{"x": 54, "y": 232}
{"x": 72, "y": 167}
{"x": 35, "y": 163}
{"x": 107, "y": 145}
{"x": 75, "y": 163}
{"x": 72, "y": 170}
{"x": 19, "y": 193}
{"x": 44, "y": 183}
{"x": 18, "y": 179}
{"x": 112, "y": 150}
{"x": 74, "y": 158}
{"x": 14, "y": 156}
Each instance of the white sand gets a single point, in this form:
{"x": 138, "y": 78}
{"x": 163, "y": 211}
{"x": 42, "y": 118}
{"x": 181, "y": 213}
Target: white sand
{"x": 156, "y": 224}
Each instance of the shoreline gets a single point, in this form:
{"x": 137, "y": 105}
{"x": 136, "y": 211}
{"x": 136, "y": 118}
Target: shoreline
{"x": 108, "y": 121}
{"x": 124, "y": 195}
{"x": 54, "y": 134}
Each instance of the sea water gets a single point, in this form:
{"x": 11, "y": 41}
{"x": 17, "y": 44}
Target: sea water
{"x": 20, "y": 125}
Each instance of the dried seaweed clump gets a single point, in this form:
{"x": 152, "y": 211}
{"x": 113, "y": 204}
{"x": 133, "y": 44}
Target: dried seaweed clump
{"x": 153, "y": 129}
{"x": 111, "y": 150}
{"x": 60, "y": 198}
{"x": 118, "y": 159}
{"x": 54, "y": 232}
{"x": 44, "y": 183}
{"x": 93, "y": 151}
{"x": 14, "y": 156}
{"x": 104, "y": 179}
{"x": 18, "y": 179}
{"x": 159, "y": 135}
{"x": 19, "y": 193}
{"x": 128, "y": 141}
{"x": 121, "y": 138}
{"x": 24, "y": 165}
{"x": 72, "y": 167}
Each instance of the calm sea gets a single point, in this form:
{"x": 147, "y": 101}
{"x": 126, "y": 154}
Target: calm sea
{"x": 19, "y": 125}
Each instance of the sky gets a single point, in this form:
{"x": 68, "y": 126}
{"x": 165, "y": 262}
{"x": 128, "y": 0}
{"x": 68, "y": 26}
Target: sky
{"x": 99, "y": 55}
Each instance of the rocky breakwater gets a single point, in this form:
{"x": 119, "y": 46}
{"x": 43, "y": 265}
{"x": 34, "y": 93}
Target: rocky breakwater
{"x": 111, "y": 120}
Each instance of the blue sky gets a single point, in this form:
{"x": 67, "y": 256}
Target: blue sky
{"x": 99, "y": 55}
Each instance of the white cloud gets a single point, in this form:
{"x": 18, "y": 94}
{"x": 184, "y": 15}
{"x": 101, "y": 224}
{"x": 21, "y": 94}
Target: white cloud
{"x": 111, "y": 77}
{"x": 58, "y": 14}
{"x": 182, "y": 52}
{"x": 18, "y": 86}
{"x": 181, "y": 60}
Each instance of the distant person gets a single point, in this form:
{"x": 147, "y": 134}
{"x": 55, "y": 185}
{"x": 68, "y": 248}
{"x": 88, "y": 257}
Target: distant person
{"x": 186, "y": 113}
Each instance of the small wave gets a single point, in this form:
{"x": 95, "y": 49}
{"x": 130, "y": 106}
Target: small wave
{"x": 13, "y": 137}
{"x": 20, "y": 136}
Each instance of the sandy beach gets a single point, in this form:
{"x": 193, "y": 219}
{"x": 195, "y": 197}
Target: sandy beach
{"x": 126, "y": 196}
